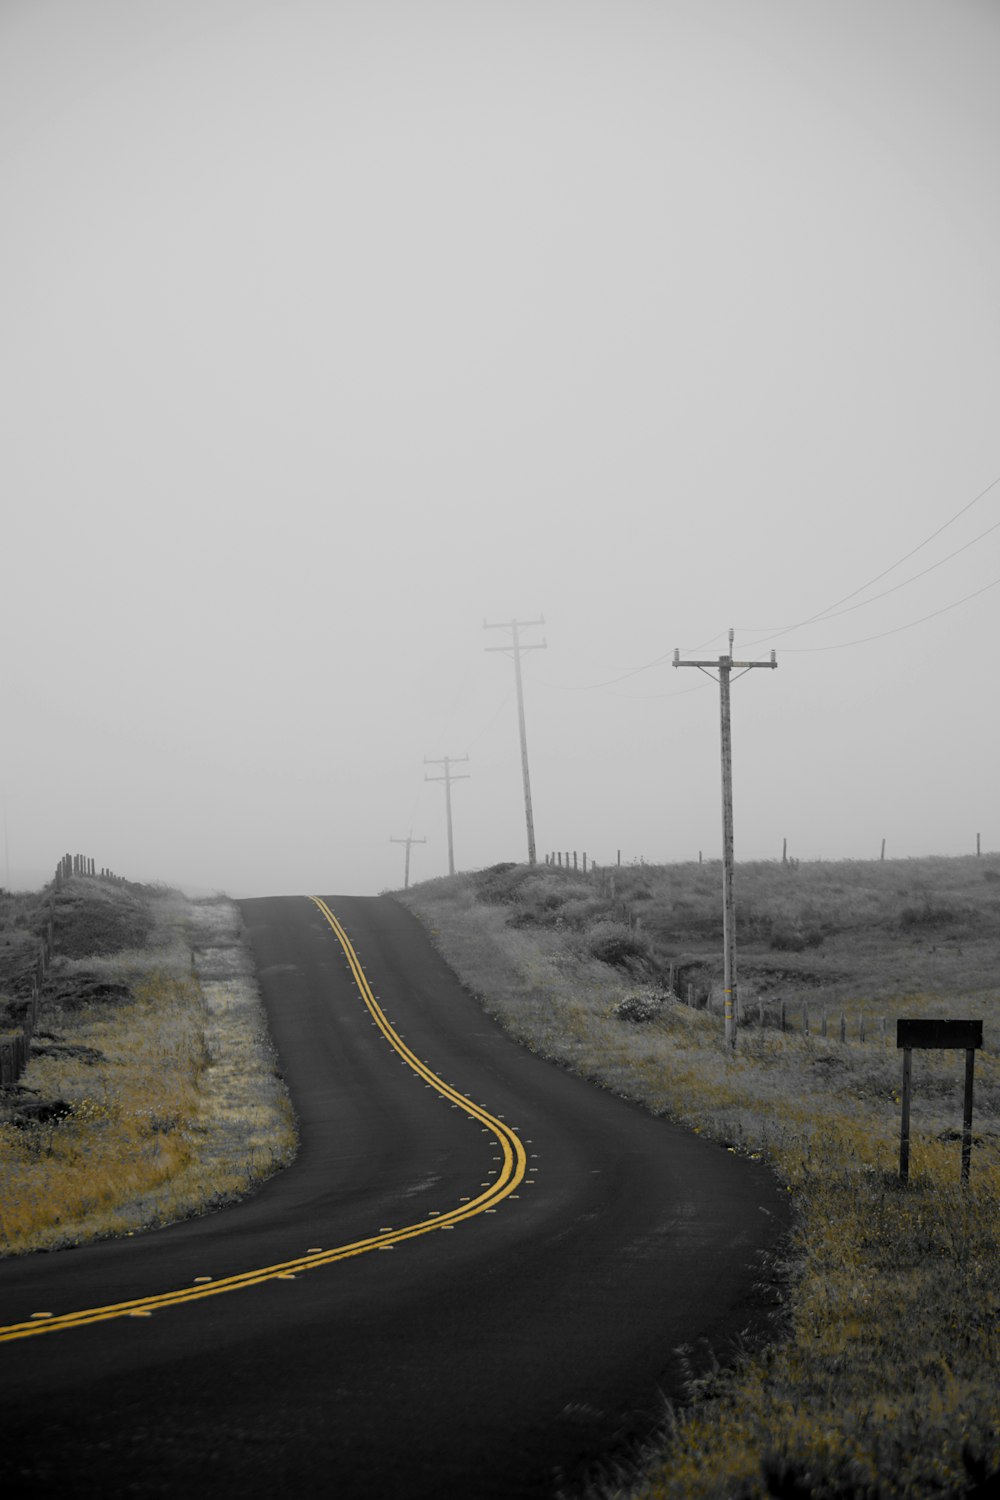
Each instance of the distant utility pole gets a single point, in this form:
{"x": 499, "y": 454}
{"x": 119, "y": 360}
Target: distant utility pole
{"x": 406, "y": 868}
{"x": 724, "y": 667}
{"x": 516, "y": 647}
{"x": 449, "y": 776}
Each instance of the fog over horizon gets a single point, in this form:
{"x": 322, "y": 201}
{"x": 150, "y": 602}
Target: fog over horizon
{"x": 331, "y": 330}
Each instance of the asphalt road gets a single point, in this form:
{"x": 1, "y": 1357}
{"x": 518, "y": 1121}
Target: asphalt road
{"x": 523, "y": 1265}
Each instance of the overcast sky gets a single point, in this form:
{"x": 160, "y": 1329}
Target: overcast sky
{"x": 332, "y": 327}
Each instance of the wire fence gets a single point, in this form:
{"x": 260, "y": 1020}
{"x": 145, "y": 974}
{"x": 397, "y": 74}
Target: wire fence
{"x": 802, "y": 1016}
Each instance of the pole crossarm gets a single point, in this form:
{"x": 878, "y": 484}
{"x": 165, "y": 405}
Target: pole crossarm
{"x": 523, "y": 646}
{"x": 719, "y": 661}
{"x": 447, "y": 761}
{"x": 506, "y": 624}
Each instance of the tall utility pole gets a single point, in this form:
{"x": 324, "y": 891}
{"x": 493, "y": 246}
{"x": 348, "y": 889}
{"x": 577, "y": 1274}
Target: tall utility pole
{"x": 516, "y": 647}
{"x": 724, "y": 667}
{"x": 406, "y": 868}
{"x": 449, "y": 776}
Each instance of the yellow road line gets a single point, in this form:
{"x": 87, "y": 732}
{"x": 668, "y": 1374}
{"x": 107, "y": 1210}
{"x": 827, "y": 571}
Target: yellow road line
{"x": 509, "y": 1176}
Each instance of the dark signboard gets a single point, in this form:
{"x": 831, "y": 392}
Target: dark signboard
{"x": 934, "y": 1033}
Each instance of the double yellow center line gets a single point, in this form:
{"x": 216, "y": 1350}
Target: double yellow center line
{"x": 508, "y": 1177}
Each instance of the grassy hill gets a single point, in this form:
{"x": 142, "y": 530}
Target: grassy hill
{"x": 885, "y": 1380}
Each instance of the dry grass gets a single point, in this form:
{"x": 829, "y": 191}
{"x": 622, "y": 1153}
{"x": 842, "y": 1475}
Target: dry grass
{"x": 886, "y": 1381}
{"x": 150, "y": 1105}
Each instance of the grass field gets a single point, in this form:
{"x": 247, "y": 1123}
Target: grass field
{"x": 884, "y": 1376}
{"x": 152, "y": 1092}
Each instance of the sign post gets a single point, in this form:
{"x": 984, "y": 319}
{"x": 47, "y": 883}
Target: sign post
{"x": 937, "y": 1034}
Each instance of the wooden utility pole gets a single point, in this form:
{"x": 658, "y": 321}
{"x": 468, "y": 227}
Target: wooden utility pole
{"x": 406, "y": 868}
{"x": 724, "y": 666}
{"x": 449, "y": 776}
{"x": 516, "y": 647}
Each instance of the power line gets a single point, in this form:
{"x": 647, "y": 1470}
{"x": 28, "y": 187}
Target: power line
{"x": 913, "y": 577}
{"x": 821, "y": 614}
{"x": 844, "y": 645}
{"x": 589, "y": 687}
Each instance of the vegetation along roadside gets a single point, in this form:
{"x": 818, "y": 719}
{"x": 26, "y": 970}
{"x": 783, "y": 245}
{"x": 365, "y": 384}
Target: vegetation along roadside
{"x": 152, "y": 1091}
{"x": 885, "y": 1379}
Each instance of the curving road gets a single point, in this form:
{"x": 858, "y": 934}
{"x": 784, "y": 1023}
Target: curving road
{"x": 471, "y": 1282}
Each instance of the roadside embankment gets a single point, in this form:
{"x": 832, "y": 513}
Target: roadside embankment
{"x": 152, "y": 1091}
{"x": 885, "y": 1379}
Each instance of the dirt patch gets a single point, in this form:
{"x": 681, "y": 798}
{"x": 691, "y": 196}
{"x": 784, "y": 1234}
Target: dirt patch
{"x": 72, "y": 991}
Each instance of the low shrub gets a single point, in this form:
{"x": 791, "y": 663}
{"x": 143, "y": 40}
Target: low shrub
{"x": 646, "y": 1005}
{"x": 616, "y": 944}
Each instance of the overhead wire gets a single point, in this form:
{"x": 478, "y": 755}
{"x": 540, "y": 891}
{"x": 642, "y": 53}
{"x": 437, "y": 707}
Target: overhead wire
{"x": 896, "y": 629}
{"x": 587, "y": 687}
{"x": 914, "y": 576}
{"x": 828, "y": 611}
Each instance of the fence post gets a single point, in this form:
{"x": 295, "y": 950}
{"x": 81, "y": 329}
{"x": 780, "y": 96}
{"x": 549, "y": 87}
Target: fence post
{"x": 843, "y": 1027}
{"x": 822, "y": 1022}
{"x": 782, "y": 1015}
{"x": 805, "y": 1019}
{"x": 861, "y": 1028}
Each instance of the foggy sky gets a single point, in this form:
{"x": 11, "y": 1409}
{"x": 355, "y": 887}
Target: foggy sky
{"x": 331, "y": 329}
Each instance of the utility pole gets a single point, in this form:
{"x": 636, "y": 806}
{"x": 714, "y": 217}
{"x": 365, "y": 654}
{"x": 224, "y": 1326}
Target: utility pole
{"x": 516, "y": 647}
{"x": 724, "y": 667}
{"x": 406, "y": 868}
{"x": 449, "y": 776}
